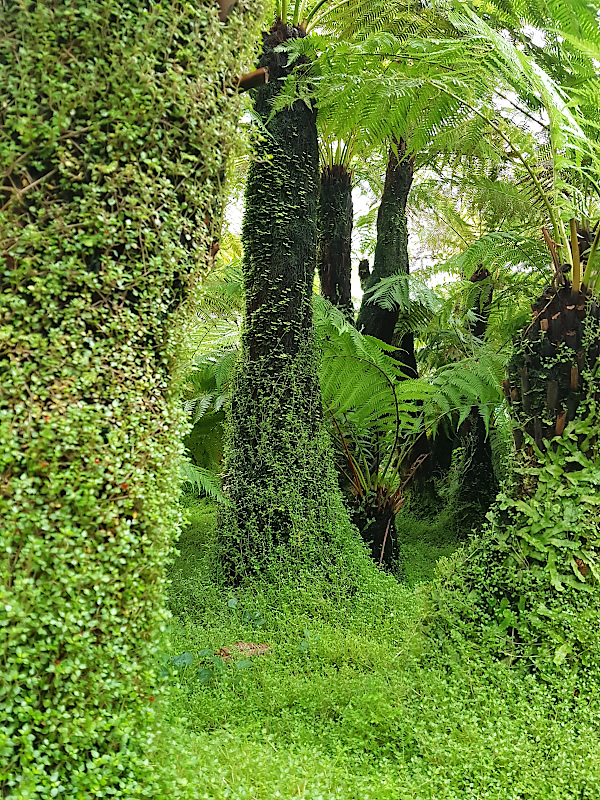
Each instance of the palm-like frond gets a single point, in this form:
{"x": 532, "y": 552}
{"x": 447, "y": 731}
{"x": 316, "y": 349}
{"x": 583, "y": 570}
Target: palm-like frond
{"x": 206, "y": 383}
{"x": 473, "y": 382}
{"x": 358, "y": 374}
{"x": 361, "y": 383}
{"x": 205, "y": 481}
{"x": 216, "y": 310}
{"x": 503, "y": 250}
{"x": 403, "y": 292}
{"x": 359, "y": 19}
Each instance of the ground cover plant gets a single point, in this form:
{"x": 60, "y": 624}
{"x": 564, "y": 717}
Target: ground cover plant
{"x": 470, "y": 669}
{"x": 355, "y": 699}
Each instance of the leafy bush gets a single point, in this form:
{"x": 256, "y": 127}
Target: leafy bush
{"x": 527, "y": 588}
{"x": 116, "y": 120}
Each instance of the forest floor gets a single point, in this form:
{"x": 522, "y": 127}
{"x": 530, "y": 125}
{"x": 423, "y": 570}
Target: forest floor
{"x": 339, "y": 698}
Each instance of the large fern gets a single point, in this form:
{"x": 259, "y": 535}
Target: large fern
{"x": 360, "y": 377}
{"x": 204, "y": 481}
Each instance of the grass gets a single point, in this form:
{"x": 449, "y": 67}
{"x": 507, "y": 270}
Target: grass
{"x": 351, "y": 701}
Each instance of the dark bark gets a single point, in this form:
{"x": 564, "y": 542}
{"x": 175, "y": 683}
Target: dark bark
{"x": 284, "y": 503}
{"x": 478, "y": 483}
{"x": 378, "y": 529}
{"x": 391, "y": 257}
{"x": 334, "y": 237}
{"x": 364, "y": 272}
{"x": 483, "y": 302}
{"x": 548, "y": 372}
{"x": 391, "y": 251}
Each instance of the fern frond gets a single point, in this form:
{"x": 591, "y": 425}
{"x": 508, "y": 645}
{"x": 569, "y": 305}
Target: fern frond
{"x": 470, "y": 383}
{"x": 360, "y": 379}
{"x": 402, "y": 291}
{"x": 502, "y": 250}
{"x": 205, "y": 481}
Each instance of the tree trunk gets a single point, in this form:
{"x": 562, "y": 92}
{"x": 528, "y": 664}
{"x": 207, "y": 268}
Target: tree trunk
{"x": 334, "y": 237}
{"x": 285, "y": 508}
{"x": 103, "y": 224}
{"x": 391, "y": 252}
{"x": 377, "y": 527}
{"x": 391, "y": 257}
{"x": 479, "y": 484}
{"x": 546, "y": 376}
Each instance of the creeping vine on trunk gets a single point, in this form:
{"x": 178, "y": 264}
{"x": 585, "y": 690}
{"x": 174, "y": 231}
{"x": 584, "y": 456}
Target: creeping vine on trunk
{"x": 115, "y": 126}
{"x": 284, "y": 508}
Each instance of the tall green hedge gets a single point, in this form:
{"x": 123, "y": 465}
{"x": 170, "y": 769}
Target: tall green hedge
{"x": 116, "y": 117}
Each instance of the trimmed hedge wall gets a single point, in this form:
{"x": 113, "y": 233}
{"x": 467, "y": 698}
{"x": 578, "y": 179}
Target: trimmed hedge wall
{"x": 116, "y": 118}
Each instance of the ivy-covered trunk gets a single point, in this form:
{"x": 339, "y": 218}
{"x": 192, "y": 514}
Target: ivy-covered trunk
{"x": 334, "y": 237}
{"x": 391, "y": 253}
{"x": 113, "y": 131}
{"x": 284, "y": 509}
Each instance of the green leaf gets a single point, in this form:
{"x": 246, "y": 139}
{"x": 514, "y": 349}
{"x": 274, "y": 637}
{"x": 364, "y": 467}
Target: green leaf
{"x": 554, "y": 576}
{"x": 184, "y": 660}
{"x": 561, "y": 654}
{"x": 204, "y": 675}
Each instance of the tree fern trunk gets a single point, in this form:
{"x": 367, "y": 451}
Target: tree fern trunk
{"x": 391, "y": 257}
{"x": 391, "y": 251}
{"x": 468, "y": 450}
{"x": 284, "y": 507}
{"x": 546, "y": 376}
{"x": 334, "y": 237}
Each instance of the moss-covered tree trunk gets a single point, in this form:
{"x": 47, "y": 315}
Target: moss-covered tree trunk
{"x": 284, "y": 506}
{"x": 334, "y": 237}
{"x": 114, "y": 128}
{"x": 391, "y": 253}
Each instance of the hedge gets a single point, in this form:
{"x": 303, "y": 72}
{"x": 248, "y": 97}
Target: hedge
{"x": 116, "y": 118}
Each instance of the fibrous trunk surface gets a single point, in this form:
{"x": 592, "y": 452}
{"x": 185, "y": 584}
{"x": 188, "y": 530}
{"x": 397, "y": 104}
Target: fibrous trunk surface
{"x": 547, "y": 376}
{"x": 284, "y": 505}
{"x": 479, "y": 484}
{"x": 334, "y": 237}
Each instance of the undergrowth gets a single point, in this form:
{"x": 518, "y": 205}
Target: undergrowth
{"x": 354, "y": 698}
{"x": 422, "y": 541}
